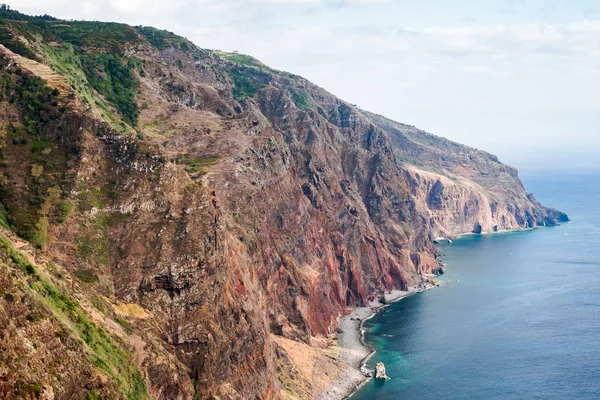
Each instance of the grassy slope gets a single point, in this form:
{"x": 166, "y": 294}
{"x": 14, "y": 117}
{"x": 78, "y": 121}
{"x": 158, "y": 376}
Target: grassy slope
{"x": 101, "y": 349}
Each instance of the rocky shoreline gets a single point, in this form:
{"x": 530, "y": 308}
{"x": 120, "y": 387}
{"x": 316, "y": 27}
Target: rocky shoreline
{"x": 353, "y": 349}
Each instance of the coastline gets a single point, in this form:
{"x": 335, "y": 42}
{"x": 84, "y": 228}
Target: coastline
{"x": 449, "y": 239}
{"x": 353, "y": 348}
{"x": 354, "y": 351}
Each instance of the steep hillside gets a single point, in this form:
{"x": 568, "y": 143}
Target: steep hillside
{"x": 464, "y": 189}
{"x": 208, "y": 214}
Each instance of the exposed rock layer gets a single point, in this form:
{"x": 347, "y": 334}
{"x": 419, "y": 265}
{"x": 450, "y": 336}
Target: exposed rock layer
{"x": 245, "y": 202}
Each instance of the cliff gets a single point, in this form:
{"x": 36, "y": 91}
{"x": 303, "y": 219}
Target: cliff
{"x": 198, "y": 215}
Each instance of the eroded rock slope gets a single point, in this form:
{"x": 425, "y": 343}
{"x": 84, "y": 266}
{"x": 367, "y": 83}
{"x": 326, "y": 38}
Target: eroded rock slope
{"x": 193, "y": 205}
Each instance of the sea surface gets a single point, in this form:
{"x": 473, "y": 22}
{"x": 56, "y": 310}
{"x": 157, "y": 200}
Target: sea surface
{"x": 517, "y": 315}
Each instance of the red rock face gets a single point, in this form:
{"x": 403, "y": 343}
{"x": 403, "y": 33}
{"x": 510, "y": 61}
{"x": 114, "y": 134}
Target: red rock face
{"x": 231, "y": 219}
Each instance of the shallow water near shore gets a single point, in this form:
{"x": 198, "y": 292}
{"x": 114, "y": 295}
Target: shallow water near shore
{"x": 517, "y": 315}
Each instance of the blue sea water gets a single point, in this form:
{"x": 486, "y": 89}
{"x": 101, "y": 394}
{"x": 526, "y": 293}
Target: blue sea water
{"x": 517, "y": 315}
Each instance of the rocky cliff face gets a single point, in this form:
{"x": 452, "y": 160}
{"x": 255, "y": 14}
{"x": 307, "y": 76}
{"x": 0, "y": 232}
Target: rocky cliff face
{"x": 197, "y": 203}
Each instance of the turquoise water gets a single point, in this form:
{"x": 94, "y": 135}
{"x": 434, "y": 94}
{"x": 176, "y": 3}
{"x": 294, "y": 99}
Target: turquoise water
{"x": 517, "y": 315}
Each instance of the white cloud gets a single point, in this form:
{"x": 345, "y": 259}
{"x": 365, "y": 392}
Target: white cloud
{"x": 489, "y": 85}
{"x": 283, "y": 2}
{"x": 510, "y": 89}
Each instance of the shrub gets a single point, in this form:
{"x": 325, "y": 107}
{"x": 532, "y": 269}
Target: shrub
{"x": 63, "y": 210}
{"x": 86, "y": 275}
{"x": 16, "y": 256}
{"x": 35, "y": 98}
{"x": 40, "y": 236}
{"x": 3, "y": 220}
{"x": 199, "y": 166}
{"x": 93, "y": 395}
{"x": 162, "y": 39}
{"x": 301, "y": 100}
{"x": 36, "y": 170}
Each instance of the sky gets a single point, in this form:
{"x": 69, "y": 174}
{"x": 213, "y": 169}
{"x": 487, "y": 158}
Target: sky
{"x": 518, "y": 78}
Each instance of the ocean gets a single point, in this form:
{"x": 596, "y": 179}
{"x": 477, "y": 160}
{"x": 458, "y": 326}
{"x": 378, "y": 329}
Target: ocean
{"x": 517, "y": 315}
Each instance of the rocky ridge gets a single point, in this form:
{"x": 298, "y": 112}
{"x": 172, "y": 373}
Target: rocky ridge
{"x": 206, "y": 212}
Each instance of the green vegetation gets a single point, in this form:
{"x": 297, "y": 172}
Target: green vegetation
{"x": 3, "y": 220}
{"x": 60, "y": 300}
{"x": 16, "y": 256}
{"x": 31, "y": 221}
{"x": 162, "y": 39}
{"x": 40, "y": 236}
{"x": 124, "y": 324}
{"x": 106, "y": 73}
{"x": 290, "y": 75}
{"x": 115, "y": 81}
{"x": 247, "y": 81}
{"x": 100, "y": 347}
{"x": 301, "y": 100}
{"x": 12, "y": 21}
{"x": 8, "y": 39}
{"x": 36, "y": 170}
{"x": 111, "y": 189}
{"x": 410, "y": 161}
{"x": 99, "y": 304}
{"x": 136, "y": 64}
{"x": 139, "y": 386}
{"x": 249, "y": 61}
{"x": 7, "y": 13}
{"x": 90, "y": 248}
{"x": 103, "y": 352}
{"x": 40, "y": 109}
{"x": 23, "y": 390}
{"x": 93, "y": 395}
{"x": 36, "y": 99}
{"x": 63, "y": 210}
{"x": 241, "y": 59}
{"x": 92, "y": 240}
{"x": 28, "y": 212}
{"x": 86, "y": 275}
{"x": 66, "y": 61}
{"x": 198, "y": 166}
{"x": 108, "y": 36}
{"x": 23, "y": 220}
{"x": 90, "y": 198}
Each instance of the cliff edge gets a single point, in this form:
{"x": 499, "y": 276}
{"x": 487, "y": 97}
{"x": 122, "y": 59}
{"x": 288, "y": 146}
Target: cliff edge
{"x": 200, "y": 216}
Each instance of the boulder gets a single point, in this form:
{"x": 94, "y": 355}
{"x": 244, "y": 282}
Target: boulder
{"x": 380, "y": 371}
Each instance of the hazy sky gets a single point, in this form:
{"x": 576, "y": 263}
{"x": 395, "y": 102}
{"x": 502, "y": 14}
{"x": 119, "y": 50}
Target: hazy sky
{"x": 519, "y": 78}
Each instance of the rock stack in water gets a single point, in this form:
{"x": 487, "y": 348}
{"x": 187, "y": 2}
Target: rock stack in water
{"x": 380, "y": 371}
